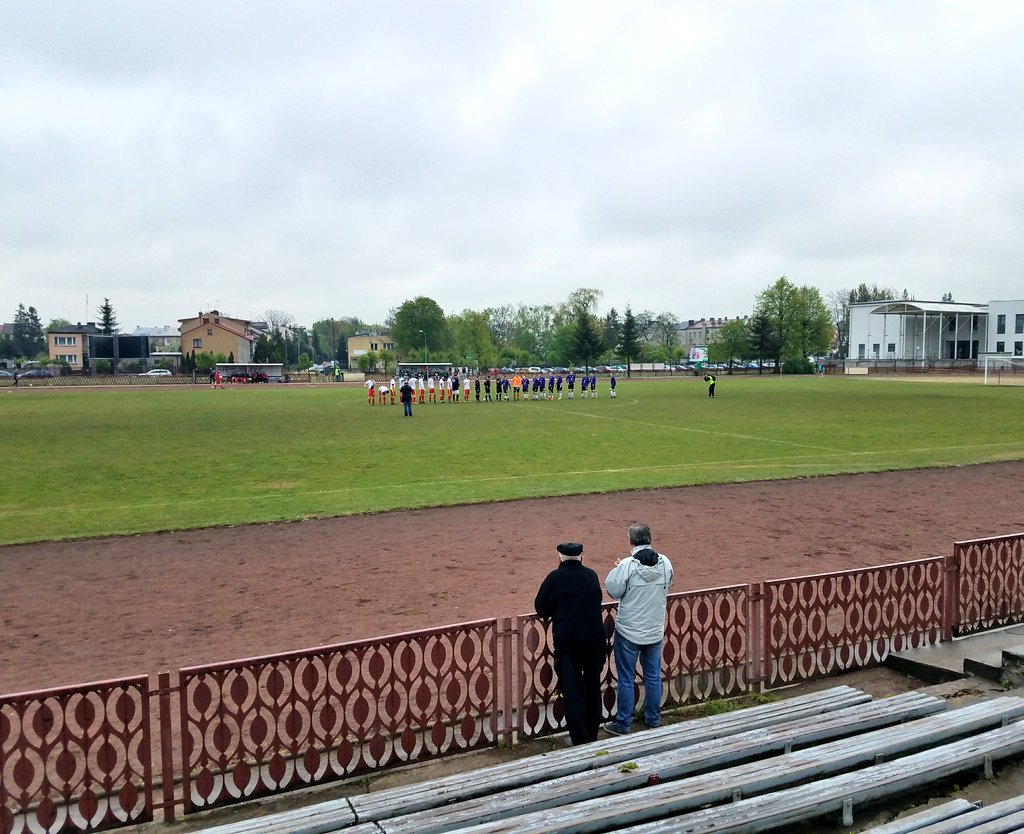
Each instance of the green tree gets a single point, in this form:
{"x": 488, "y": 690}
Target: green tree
{"x": 731, "y": 342}
{"x": 471, "y": 336}
{"x": 586, "y": 343}
{"x": 501, "y": 323}
{"x": 332, "y": 337}
{"x": 108, "y": 318}
{"x": 873, "y": 293}
{"x": 780, "y": 307}
{"x": 418, "y": 319}
{"x": 665, "y": 334}
{"x": 206, "y": 362}
{"x": 585, "y": 298}
{"x": 533, "y": 331}
{"x": 814, "y": 324}
{"x": 799, "y": 321}
{"x": 56, "y": 324}
{"x": 264, "y": 350}
{"x": 387, "y": 359}
{"x": 29, "y": 340}
{"x": 764, "y": 343}
{"x": 629, "y": 339}
{"x": 612, "y": 330}
{"x": 367, "y": 361}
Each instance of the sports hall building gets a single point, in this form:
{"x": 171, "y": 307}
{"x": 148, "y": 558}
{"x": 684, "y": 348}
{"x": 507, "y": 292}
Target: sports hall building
{"x": 935, "y": 331}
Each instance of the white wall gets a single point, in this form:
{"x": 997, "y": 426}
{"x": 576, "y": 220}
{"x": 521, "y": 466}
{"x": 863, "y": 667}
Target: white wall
{"x": 1013, "y": 341}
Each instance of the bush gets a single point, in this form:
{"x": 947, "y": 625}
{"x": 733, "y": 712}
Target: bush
{"x": 800, "y": 365}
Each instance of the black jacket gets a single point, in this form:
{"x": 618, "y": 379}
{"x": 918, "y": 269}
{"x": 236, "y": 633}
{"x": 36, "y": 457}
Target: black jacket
{"x": 570, "y": 596}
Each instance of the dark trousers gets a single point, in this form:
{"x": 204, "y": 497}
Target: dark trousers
{"x": 579, "y": 681}
{"x": 711, "y": 390}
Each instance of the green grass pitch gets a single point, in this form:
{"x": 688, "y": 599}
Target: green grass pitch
{"x": 84, "y": 463}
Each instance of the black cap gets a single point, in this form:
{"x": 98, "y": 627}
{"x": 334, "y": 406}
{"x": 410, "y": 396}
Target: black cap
{"x": 570, "y": 549}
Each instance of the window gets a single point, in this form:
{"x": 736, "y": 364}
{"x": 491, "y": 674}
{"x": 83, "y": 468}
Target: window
{"x": 951, "y": 323}
{"x": 1001, "y": 323}
{"x": 891, "y": 349}
{"x": 197, "y": 343}
{"x": 1000, "y": 347}
{"x": 975, "y": 322}
{"x": 65, "y": 341}
{"x": 875, "y": 349}
{"x": 860, "y": 351}
{"x": 209, "y": 331}
{"x": 1018, "y": 326}
{"x": 1018, "y": 348}
{"x": 70, "y": 358}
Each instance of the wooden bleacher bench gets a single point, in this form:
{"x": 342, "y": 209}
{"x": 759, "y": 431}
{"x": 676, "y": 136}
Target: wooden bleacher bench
{"x": 960, "y": 817}
{"x": 840, "y": 794}
{"x": 337, "y": 814}
{"x": 772, "y": 777}
{"x": 704, "y": 756}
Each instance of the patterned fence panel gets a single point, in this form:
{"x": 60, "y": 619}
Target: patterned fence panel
{"x": 707, "y": 644}
{"x": 705, "y": 654}
{"x": 830, "y": 623}
{"x": 539, "y": 707}
{"x": 76, "y": 758}
{"x": 989, "y": 583}
{"x": 275, "y": 723}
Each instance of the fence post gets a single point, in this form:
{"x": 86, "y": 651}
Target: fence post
{"x": 508, "y": 652}
{"x": 950, "y": 592}
{"x": 166, "y": 744}
{"x": 757, "y": 638}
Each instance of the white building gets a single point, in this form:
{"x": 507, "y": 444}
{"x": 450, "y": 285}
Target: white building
{"x": 935, "y": 330}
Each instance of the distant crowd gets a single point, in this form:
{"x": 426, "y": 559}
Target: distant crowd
{"x": 463, "y": 387}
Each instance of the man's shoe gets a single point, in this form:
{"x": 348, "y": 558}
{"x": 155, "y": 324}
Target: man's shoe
{"x": 615, "y": 729}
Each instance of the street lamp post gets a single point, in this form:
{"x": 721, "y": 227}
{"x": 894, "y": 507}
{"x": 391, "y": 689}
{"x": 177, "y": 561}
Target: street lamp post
{"x": 424, "y": 348}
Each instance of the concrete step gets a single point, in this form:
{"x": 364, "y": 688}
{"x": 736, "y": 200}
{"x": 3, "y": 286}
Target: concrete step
{"x": 994, "y": 655}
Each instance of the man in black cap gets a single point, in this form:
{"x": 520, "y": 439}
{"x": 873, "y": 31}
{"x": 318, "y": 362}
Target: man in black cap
{"x": 570, "y": 597}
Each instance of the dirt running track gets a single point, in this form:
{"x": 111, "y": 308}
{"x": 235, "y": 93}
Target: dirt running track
{"x": 80, "y": 611}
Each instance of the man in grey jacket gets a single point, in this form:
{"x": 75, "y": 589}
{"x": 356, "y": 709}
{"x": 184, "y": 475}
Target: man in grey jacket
{"x": 640, "y": 583}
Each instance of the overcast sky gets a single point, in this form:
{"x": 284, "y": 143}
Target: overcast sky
{"x": 331, "y": 158}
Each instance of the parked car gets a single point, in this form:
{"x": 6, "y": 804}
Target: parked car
{"x": 35, "y": 373}
{"x": 5, "y": 373}
{"x": 156, "y": 372}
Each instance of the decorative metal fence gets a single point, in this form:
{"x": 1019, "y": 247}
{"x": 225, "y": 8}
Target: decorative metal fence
{"x": 82, "y": 758}
{"x": 830, "y": 623}
{"x": 987, "y": 578}
{"x": 273, "y": 723}
{"x": 77, "y": 758}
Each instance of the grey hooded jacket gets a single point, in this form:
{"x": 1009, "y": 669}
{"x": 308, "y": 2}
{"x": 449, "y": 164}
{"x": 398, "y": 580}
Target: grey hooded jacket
{"x": 640, "y": 584}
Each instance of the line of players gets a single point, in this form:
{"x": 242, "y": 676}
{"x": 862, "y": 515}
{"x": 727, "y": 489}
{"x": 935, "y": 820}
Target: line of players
{"x": 446, "y": 388}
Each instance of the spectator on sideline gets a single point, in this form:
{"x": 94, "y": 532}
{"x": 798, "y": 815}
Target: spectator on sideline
{"x": 570, "y": 596}
{"x": 640, "y": 583}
